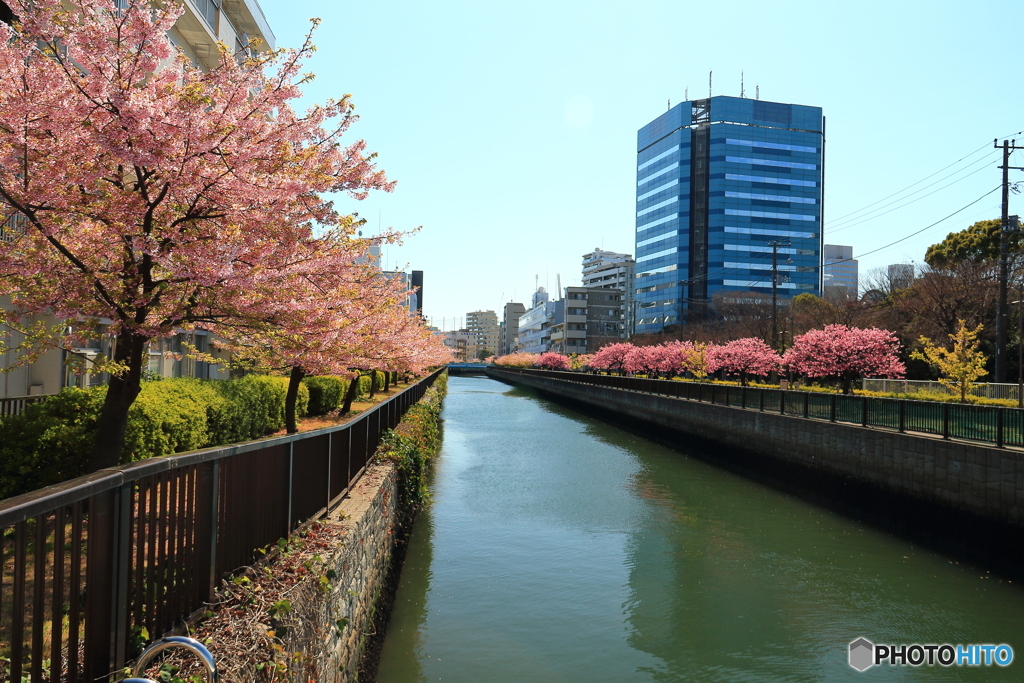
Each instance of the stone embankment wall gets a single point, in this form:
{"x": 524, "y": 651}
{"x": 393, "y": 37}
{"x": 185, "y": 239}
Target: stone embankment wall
{"x": 985, "y": 481}
{"x": 338, "y": 611}
{"x": 330, "y": 620}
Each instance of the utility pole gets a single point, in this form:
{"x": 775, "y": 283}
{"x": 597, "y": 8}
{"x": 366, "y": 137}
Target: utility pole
{"x": 1009, "y": 224}
{"x": 775, "y": 244}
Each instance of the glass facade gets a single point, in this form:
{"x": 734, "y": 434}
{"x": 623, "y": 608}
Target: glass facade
{"x": 718, "y": 181}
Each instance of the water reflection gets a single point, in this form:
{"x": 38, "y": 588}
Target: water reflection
{"x": 560, "y": 548}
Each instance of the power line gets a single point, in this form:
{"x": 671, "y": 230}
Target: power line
{"x": 918, "y": 232}
{"x": 919, "y": 181}
{"x": 864, "y": 219}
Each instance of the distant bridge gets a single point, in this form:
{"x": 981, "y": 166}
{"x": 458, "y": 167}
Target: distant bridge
{"x": 467, "y": 368}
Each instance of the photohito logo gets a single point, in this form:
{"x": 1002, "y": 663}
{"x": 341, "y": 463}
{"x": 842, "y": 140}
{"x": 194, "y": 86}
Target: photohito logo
{"x": 864, "y": 654}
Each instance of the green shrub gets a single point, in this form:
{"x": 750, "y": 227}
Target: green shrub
{"x": 49, "y": 443}
{"x": 170, "y": 416}
{"x": 52, "y": 440}
{"x": 325, "y": 393}
{"x": 254, "y": 407}
{"x": 415, "y": 442}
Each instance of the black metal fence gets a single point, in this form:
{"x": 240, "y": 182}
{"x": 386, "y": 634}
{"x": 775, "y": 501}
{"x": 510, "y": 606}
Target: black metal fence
{"x": 994, "y": 425}
{"x": 93, "y": 568}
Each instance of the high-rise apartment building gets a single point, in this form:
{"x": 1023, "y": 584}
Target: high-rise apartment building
{"x": 611, "y": 270}
{"x": 510, "y": 327}
{"x": 483, "y": 325}
{"x": 719, "y": 181}
{"x": 839, "y": 269}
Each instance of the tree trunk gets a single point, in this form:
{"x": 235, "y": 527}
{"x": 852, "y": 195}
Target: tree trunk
{"x": 373, "y": 383}
{"x": 122, "y": 391}
{"x": 387, "y": 381}
{"x": 350, "y": 395}
{"x": 291, "y": 398}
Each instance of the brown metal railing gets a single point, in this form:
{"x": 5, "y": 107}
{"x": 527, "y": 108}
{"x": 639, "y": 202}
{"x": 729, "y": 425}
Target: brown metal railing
{"x": 991, "y": 425}
{"x": 93, "y": 568}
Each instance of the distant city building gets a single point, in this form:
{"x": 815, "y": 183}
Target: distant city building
{"x": 536, "y": 325}
{"x": 510, "y": 327}
{"x": 839, "y": 269}
{"x": 417, "y": 283}
{"x": 901, "y": 275}
{"x": 593, "y": 318}
{"x": 615, "y": 271}
{"x": 461, "y": 342}
{"x": 484, "y": 326}
{"x": 406, "y": 279}
{"x": 719, "y": 180}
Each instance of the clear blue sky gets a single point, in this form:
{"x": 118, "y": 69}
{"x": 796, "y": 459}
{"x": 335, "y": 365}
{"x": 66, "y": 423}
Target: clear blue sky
{"x": 511, "y": 127}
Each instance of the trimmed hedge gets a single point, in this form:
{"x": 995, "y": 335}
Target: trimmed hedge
{"x": 327, "y": 392}
{"x": 51, "y": 441}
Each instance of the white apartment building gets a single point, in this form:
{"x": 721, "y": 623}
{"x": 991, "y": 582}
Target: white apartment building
{"x": 616, "y": 271}
{"x": 487, "y": 335}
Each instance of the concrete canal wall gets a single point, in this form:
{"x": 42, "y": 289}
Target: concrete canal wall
{"x": 984, "y": 481}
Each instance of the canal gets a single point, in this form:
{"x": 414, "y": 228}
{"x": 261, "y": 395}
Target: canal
{"x": 560, "y": 548}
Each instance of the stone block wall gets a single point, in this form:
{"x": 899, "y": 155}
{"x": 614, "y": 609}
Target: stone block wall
{"x": 331, "y": 619}
{"x": 985, "y": 481}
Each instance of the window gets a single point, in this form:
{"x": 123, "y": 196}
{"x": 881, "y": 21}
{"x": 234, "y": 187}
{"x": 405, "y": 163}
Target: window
{"x": 208, "y": 9}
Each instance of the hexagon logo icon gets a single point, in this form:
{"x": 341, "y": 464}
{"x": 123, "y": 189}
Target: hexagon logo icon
{"x": 862, "y": 654}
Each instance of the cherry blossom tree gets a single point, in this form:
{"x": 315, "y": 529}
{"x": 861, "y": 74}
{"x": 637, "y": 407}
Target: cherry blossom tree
{"x": 517, "y": 360}
{"x": 155, "y": 195}
{"x": 744, "y": 358}
{"x": 845, "y": 354}
{"x": 644, "y": 360}
{"x": 553, "y": 361}
{"x": 675, "y": 358}
{"x": 611, "y": 357}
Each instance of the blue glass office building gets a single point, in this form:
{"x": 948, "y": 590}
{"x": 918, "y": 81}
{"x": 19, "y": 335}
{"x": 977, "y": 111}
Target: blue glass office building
{"x": 719, "y": 180}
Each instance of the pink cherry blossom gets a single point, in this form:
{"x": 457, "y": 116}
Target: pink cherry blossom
{"x": 743, "y": 358}
{"x": 553, "y": 361}
{"x": 846, "y": 353}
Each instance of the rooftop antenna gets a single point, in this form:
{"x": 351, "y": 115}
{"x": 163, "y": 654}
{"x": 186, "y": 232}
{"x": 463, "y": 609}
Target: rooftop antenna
{"x": 559, "y": 280}
{"x": 670, "y": 103}
{"x": 709, "y": 83}
{"x": 536, "y": 282}
{"x": 743, "y": 93}
{"x": 757, "y": 92}
{"x": 686, "y": 94}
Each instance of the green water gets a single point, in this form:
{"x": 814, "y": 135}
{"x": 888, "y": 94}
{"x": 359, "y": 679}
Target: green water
{"x": 559, "y": 548}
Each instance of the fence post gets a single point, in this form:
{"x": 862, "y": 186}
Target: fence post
{"x": 743, "y": 397}
{"x": 999, "y": 427}
{"x": 945, "y": 420}
{"x": 901, "y": 407}
{"x": 207, "y": 490}
{"x": 807, "y": 404}
{"x": 291, "y": 471}
{"x": 864, "y": 411}
{"x": 760, "y": 399}
{"x": 99, "y": 598}
{"x": 782, "y": 402}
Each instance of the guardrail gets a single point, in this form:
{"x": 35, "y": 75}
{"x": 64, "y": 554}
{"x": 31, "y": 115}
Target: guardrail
{"x": 994, "y": 425}
{"x": 93, "y": 568}
{"x": 15, "y": 405}
{"x": 910, "y": 386}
